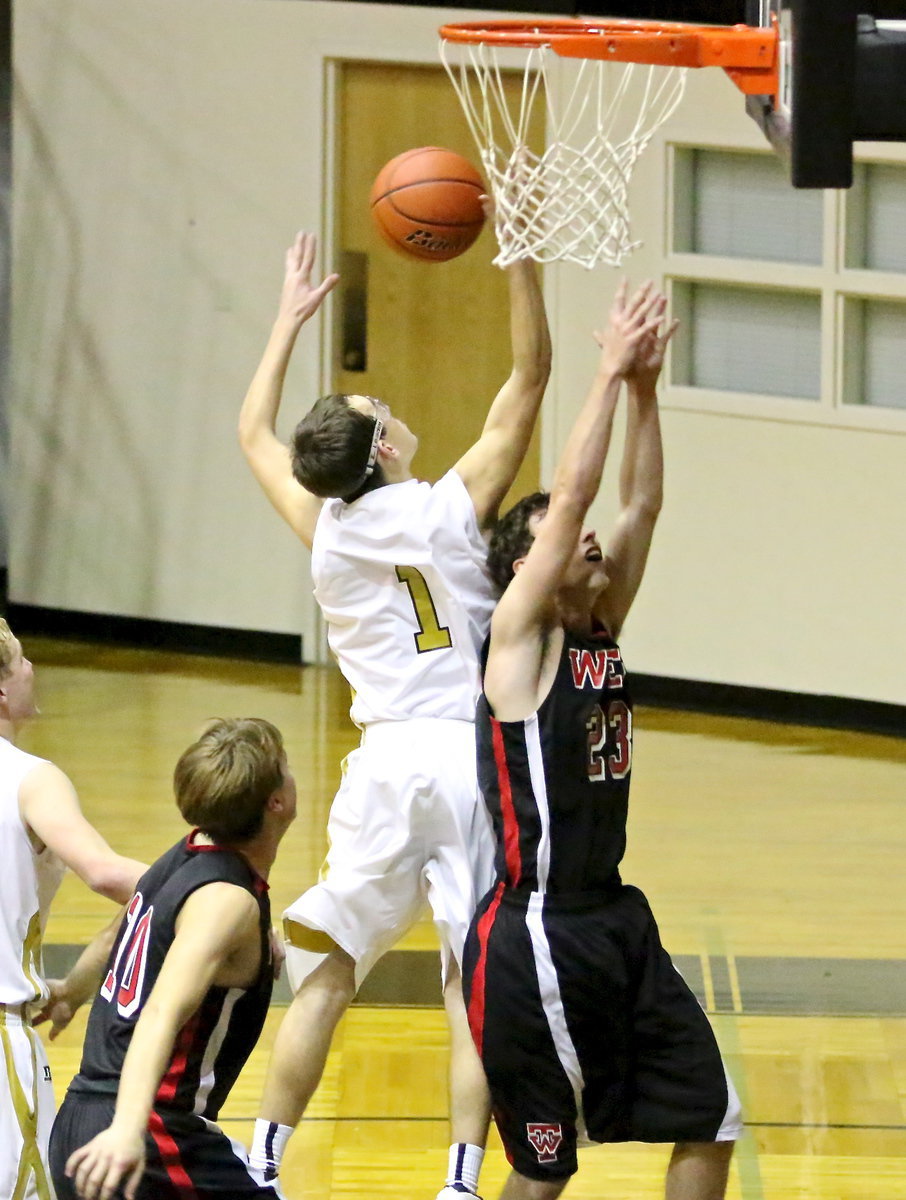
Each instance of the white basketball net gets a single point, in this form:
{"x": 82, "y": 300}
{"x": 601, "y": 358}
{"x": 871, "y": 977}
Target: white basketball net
{"x": 571, "y": 202}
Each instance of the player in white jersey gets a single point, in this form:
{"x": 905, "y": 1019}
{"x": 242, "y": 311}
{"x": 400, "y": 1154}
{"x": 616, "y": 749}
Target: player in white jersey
{"x": 42, "y": 831}
{"x": 399, "y": 573}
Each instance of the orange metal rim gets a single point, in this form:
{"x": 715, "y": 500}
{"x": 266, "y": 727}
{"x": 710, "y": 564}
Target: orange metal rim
{"x": 748, "y": 54}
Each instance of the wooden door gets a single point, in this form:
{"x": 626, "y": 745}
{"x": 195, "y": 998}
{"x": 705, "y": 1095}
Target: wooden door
{"x": 437, "y": 340}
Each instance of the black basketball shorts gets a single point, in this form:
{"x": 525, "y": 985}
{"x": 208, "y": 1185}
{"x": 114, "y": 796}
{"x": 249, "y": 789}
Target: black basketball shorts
{"x": 587, "y": 1031}
{"x": 186, "y": 1155}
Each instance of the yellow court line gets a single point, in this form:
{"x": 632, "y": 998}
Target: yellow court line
{"x": 707, "y": 981}
{"x": 734, "y": 983}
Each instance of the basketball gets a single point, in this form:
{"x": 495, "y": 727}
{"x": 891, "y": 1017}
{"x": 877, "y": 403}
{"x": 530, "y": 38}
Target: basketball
{"x": 425, "y": 203}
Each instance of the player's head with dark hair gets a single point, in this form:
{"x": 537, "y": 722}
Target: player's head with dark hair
{"x": 225, "y": 779}
{"x": 334, "y": 448}
{"x": 512, "y": 537}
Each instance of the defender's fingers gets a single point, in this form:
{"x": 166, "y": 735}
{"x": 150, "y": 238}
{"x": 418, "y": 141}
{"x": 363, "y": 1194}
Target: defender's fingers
{"x": 619, "y": 299}
{"x": 640, "y": 299}
{"x": 111, "y": 1182}
{"x": 650, "y": 316}
{"x": 309, "y": 249}
{"x": 133, "y": 1181}
{"x": 670, "y": 331}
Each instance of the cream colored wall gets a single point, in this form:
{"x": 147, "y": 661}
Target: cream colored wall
{"x": 164, "y": 154}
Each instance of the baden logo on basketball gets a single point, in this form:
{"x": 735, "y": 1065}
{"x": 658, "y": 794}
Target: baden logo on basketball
{"x": 428, "y": 241}
{"x": 546, "y": 1140}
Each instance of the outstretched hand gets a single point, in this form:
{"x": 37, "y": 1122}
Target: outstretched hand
{"x": 632, "y": 324}
{"x": 98, "y": 1168}
{"x": 301, "y": 298}
{"x": 59, "y": 1008}
{"x": 650, "y": 356}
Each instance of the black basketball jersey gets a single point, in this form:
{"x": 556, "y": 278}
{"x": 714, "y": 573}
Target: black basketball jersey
{"x": 557, "y": 784}
{"x": 212, "y": 1047}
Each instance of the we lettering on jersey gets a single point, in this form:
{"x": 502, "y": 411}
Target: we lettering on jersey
{"x": 596, "y": 668}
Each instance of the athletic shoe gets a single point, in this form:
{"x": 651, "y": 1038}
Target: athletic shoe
{"x": 456, "y": 1191}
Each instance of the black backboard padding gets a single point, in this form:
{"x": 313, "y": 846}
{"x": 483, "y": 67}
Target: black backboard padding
{"x": 880, "y": 87}
{"x": 823, "y": 109}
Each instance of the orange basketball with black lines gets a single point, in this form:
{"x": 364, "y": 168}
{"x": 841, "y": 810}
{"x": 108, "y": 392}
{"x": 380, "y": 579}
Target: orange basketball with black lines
{"x": 425, "y": 203}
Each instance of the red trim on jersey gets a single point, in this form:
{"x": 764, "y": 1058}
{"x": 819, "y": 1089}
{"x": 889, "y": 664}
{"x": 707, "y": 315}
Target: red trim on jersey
{"x": 477, "y": 994}
{"x": 507, "y": 811}
{"x": 259, "y": 882}
{"x": 170, "y": 1082}
{"x": 170, "y": 1157}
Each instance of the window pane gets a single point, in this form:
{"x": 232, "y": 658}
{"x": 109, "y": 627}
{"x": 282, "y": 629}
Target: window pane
{"x": 885, "y": 218}
{"x": 742, "y": 340}
{"x": 743, "y": 207}
{"x": 883, "y": 329}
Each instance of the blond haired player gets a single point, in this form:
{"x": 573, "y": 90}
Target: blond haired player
{"x": 43, "y": 831}
{"x": 185, "y": 990}
{"x": 399, "y": 572}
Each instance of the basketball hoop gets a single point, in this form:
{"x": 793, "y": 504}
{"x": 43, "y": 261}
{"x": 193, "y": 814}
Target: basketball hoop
{"x": 604, "y": 88}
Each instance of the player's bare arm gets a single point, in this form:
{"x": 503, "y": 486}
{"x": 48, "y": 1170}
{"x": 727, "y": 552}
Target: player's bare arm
{"x": 525, "y": 629}
{"x": 51, "y": 812}
{"x": 490, "y": 466}
{"x": 641, "y": 483}
{"x": 268, "y": 457}
{"x": 217, "y": 942}
{"x": 82, "y": 982}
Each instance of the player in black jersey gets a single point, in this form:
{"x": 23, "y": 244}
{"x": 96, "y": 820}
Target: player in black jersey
{"x": 585, "y": 1028}
{"x": 185, "y": 990}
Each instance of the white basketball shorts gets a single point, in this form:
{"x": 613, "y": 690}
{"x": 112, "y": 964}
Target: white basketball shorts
{"x": 26, "y": 1110}
{"x": 407, "y": 826}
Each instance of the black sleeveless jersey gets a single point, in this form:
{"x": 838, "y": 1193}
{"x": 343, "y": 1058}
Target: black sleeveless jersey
{"x": 557, "y": 784}
{"x": 212, "y": 1047}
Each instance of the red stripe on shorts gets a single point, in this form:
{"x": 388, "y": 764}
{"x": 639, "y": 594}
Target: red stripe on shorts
{"x": 477, "y": 993}
{"x": 172, "y": 1162}
{"x": 507, "y": 811}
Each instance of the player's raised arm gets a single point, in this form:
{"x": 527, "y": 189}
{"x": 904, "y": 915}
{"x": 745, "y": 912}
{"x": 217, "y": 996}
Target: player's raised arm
{"x": 50, "y": 809}
{"x": 268, "y": 457}
{"x": 641, "y": 483}
{"x": 528, "y": 609}
{"x": 214, "y": 924}
{"x": 490, "y": 466}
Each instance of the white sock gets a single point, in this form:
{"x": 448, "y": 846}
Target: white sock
{"x": 463, "y": 1166}
{"x": 268, "y": 1143}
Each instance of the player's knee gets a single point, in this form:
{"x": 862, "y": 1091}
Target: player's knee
{"x": 453, "y": 987}
{"x": 332, "y": 973}
{"x": 520, "y": 1187}
{"x": 731, "y": 1127}
{"x": 704, "y": 1152}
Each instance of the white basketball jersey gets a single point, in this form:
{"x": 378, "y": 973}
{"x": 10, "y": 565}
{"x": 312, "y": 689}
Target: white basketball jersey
{"x": 28, "y": 883}
{"x": 401, "y": 579}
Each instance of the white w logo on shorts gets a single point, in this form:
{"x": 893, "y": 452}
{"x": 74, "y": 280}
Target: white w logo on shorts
{"x": 546, "y": 1139}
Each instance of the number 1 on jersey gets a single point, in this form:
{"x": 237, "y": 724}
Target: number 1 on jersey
{"x": 431, "y": 634}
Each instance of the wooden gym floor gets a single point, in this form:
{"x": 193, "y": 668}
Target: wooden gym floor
{"x": 772, "y": 855}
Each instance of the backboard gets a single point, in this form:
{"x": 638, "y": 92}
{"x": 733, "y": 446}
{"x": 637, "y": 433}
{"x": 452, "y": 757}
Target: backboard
{"x": 842, "y": 78}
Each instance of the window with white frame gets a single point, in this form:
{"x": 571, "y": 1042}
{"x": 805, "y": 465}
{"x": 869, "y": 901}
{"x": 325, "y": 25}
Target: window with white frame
{"x": 786, "y": 293}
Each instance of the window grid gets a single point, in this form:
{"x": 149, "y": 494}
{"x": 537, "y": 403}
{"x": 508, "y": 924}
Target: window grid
{"x": 831, "y": 308}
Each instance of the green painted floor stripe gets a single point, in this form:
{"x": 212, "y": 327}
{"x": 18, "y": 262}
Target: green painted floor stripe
{"x": 746, "y": 1154}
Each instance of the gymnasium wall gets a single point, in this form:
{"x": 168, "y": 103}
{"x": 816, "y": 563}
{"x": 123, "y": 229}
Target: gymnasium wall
{"x": 163, "y": 154}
